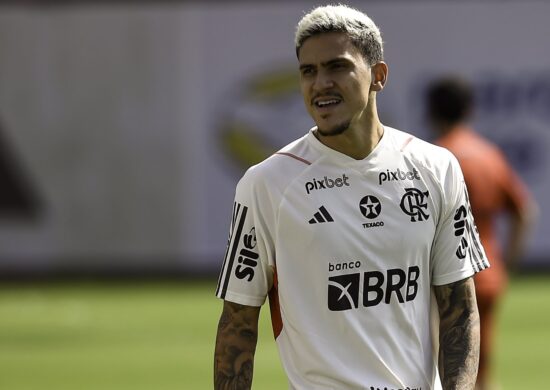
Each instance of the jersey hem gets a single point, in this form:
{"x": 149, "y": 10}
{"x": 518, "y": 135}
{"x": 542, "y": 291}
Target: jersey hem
{"x": 243, "y": 299}
{"x": 452, "y": 277}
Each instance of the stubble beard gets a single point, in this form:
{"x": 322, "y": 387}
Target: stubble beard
{"x": 336, "y": 130}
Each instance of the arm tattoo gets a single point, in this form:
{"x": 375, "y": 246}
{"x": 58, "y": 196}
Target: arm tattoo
{"x": 458, "y": 334}
{"x": 235, "y": 347}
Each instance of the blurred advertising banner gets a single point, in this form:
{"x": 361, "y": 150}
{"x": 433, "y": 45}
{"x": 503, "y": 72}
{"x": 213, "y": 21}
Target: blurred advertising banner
{"x": 131, "y": 125}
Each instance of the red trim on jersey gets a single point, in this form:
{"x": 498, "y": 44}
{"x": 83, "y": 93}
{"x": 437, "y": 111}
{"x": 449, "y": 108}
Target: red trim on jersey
{"x": 406, "y": 143}
{"x": 294, "y": 156}
{"x": 274, "y": 307}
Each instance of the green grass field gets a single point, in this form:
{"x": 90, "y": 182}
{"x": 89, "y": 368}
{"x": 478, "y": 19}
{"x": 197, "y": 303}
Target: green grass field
{"x": 161, "y": 336}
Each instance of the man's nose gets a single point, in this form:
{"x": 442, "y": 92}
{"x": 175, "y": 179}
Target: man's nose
{"x": 323, "y": 81}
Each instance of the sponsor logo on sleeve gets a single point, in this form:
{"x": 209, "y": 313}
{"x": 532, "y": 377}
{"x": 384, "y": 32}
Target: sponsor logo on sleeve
{"x": 469, "y": 244}
{"x": 248, "y": 257}
{"x": 240, "y": 213}
{"x": 461, "y": 224}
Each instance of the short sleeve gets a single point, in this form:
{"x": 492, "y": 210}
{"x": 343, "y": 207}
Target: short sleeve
{"x": 246, "y": 275}
{"x": 457, "y": 252}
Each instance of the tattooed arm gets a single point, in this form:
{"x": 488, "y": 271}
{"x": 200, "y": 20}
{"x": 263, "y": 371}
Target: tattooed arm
{"x": 458, "y": 334}
{"x": 235, "y": 346}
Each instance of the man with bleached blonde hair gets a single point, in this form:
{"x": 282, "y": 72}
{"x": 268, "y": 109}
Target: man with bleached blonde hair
{"x": 355, "y": 231}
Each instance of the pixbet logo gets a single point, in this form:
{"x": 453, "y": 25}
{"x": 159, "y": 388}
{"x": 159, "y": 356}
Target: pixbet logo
{"x": 397, "y": 175}
{"x": 248, "y": 258}
{"x": 327, "y": 182}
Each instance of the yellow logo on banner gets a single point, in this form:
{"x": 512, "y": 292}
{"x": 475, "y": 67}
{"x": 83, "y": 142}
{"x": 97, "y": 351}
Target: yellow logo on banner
{"x": 248, "y": 130}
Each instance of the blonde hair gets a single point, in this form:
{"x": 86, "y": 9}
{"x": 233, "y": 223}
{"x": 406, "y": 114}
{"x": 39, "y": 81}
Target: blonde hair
{"x": 362, "y": 31}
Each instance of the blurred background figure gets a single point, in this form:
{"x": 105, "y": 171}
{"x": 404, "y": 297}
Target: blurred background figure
{"x": 494, "y": 189}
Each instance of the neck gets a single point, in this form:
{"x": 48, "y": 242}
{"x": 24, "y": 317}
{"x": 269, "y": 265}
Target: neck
{"x": 359, "y": 140}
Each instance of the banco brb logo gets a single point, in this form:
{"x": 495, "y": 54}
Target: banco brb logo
{"x": 343, "y": 292}
{"x": 397, "y": 285}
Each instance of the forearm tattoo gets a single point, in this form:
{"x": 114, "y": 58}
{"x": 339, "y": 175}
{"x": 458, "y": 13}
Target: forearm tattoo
{"x": 235, "y": 347}
{"x": 458, "y": 334}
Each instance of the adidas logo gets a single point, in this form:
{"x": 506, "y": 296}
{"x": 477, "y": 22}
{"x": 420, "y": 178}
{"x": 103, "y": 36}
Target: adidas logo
{"x": 321, "y": 216}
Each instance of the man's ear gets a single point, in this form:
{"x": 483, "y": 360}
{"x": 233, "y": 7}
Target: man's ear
{"x": 379, "y": 76}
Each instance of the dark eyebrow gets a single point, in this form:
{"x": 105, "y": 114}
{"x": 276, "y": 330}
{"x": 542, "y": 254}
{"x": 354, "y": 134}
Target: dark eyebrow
{"x": 334, "y": 61}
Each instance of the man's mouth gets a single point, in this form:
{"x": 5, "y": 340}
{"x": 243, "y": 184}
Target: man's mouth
{"x": 326, "y": 102}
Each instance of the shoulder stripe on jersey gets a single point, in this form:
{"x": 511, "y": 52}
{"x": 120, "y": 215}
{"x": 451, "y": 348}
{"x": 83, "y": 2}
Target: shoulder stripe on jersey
{"x": 295, "y": 157}
{"x": 232, "y": 250}
{"x": 476, "y": 253}
{"x": 470, "y": 239}
{"x": 236, "y": 208}
{"x": 484, "y": 263}
{"x": 406, "y": 143}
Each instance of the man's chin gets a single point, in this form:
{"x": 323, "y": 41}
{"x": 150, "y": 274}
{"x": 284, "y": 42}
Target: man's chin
{"x": 333, "y": 131}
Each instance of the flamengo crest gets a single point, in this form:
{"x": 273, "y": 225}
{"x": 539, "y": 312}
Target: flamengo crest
{"x": 414, "y": 204}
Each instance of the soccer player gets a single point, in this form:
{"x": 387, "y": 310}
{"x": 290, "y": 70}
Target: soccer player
{"x": 353, "y": 231}
{"x": 494, "y": 189}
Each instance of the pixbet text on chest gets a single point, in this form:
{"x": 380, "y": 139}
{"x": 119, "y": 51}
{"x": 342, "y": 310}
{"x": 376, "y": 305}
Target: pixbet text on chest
{"x": 398, "y": 175}
{"x": 326, "y": 182}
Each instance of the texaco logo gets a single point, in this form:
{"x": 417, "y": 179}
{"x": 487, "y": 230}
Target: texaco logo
{"x": 370, "y": 206}
{"x": 413, "y": 203}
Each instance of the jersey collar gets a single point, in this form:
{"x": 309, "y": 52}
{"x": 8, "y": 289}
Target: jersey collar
{"x": 373, "y": 159}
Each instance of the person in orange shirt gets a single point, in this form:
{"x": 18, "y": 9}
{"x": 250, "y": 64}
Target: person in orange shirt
{"x": 494, "y": 188}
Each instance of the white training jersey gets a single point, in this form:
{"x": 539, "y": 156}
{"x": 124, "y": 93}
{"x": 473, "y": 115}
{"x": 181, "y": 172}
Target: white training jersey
{"x": 348, "y": 251}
